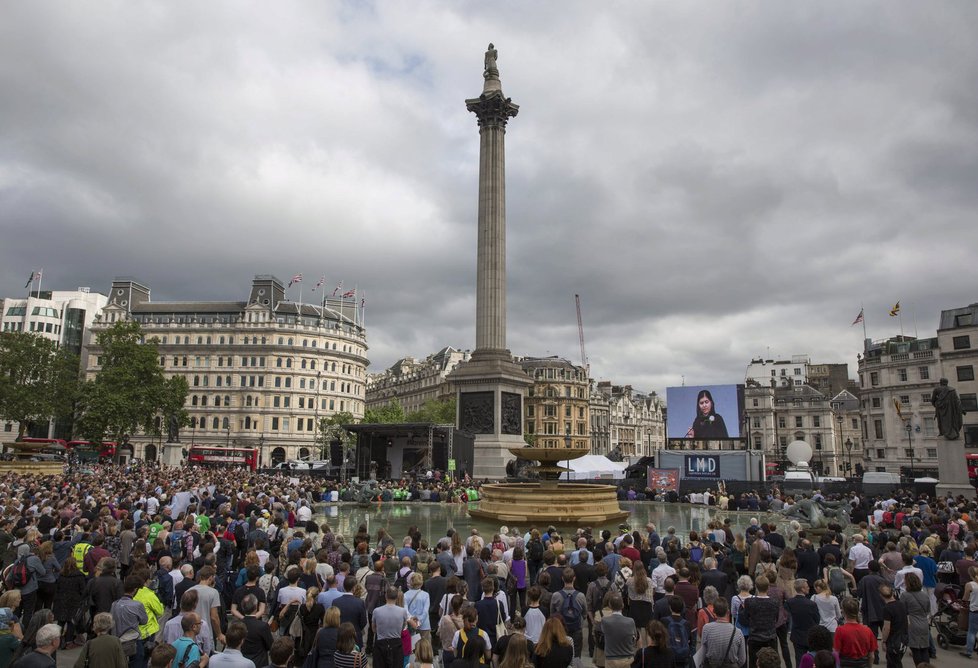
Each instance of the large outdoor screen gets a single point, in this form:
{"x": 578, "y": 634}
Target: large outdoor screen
{"x": 705, "y": 412}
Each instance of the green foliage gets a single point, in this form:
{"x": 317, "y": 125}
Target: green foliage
{"x": 392, "y": 413}
{"x": 531, "y": 439}
{"x": 130, "y": 390}
{"x": 344, "y": 417}
{"x": 38, "y": 381}
{"x": 435, "y": 411}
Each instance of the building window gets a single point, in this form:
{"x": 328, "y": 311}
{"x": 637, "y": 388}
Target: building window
{"x": 924, "y": 372}
{"x": 878, "y": 428}
{"x": 276, "y": 401}
{"x": 905, "y": 399}
{"x": 966, "y": 372}
{"x": 215, "y": 423}
{"x": 798, "y": 421}
{"x": 757, "y": 423}
{"x": 816, "y": 421}
{"x": 226, "y": 423}
{"x": 902, "y": 375}
{"x": 855, "y": 423}
{"x": 877, "y": 402}
{"x": 971, "y": 435}
{"x": 874, "y": 378}
{"x": 567, "y": 411}
{"x": 781, "y": 423}
{"x": 529, "y": 411}
{"x": 962, "y": 342}
{"x": 969, "y": 402}
{"x": 755, "y": 403}
{"x": 550, "y": 411}
{"x": 932, "y": 453}
{"x": 880, "y": 453}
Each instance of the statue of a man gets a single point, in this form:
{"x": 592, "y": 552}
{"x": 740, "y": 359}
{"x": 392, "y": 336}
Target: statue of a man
{"x": 172, "y": 429}
{"x": 947, "y": 408}
{"x": 491, "y": 71}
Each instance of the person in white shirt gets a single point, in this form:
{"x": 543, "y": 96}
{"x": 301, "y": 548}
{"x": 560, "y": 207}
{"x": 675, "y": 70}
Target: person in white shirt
{"x": 661, "y": 572}
{"x": 304, "y": 513}
{"x": 900, "y": 575}
{"x": 859, "y": 556}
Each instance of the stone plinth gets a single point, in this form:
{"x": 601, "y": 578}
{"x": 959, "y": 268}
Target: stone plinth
{"x": 549, "y": 503}
{"x": 173, "y": 455}
{"x": 490, "y": 388}
{"x": 953, "y": 469}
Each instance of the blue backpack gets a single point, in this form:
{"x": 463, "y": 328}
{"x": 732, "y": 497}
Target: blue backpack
{"x": 679, "y": 639}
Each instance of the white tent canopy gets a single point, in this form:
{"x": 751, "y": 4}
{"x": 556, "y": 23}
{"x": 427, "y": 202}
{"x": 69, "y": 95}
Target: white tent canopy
{"x": 593, "y": 466}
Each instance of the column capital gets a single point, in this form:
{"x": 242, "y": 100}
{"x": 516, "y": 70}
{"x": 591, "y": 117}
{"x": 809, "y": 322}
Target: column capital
{"x": 492, "y": 109}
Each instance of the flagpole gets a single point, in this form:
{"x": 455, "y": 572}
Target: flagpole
{"x": 40, "y": 277}
{"x": 914, "y": 312}
{"x": 862, "y": 309}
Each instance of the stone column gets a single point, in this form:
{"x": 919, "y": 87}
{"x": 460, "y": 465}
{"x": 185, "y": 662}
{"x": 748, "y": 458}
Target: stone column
{"x": 490, "y": 386}
{"x": 493, "y": 111}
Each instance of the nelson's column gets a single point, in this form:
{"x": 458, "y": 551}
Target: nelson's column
{"x": 490, "y": 387}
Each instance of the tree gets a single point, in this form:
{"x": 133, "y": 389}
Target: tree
{"x": 331, "y": 431}
{"x": 130, "y": 390}
{"x": 435, "y": 411}
{"x": 37, "y": 380}
{"x": 392, "y": 413}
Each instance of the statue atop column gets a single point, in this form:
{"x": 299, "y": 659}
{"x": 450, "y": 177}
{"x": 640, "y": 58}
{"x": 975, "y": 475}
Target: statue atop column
{"x": 947, "y": 408}
{"x": 491, "y": 72}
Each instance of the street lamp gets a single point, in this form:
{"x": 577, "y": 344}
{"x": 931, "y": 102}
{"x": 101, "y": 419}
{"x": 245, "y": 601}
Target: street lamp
{"x": 567, "y": 444}
{"x": 909, "y": 429}
{"x": 849, "y": 456}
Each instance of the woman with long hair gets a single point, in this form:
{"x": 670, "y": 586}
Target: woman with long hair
{"x": 517, "y": 652}
{"x": 555, "y": 649}
{"x": 47, "y": 584}
{"x": 639, "y": 592}
{"x": 828, "y": 606}
{"x": 458, "y": 552}
{"x": 707, "y": 423}
{"x": 787, "y": 567}
{"x": 655, "y": 650}
{"x": 738, "y": 553}
{"x": 311, "y": 616}
{"x": 327, "y": 638}
{"x": 347, "y": 654}
{"x": 449, "y": 624}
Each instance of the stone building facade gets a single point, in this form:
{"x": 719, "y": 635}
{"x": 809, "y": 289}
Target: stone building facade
{"x": 413, "y": 383}
{"x": 896, "y": 377}
{"x": 779, "y": 414}
{"x": 635, "y": 425}
{"x": 957, "y": 340}
{"x": 261, "y": 372}
{"x": 557, "y": 405}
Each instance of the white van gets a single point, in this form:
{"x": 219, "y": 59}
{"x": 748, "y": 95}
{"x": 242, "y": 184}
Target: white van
{"x": 881, "y": 478}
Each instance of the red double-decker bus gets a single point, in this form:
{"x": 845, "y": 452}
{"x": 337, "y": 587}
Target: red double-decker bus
{"x": 90, "y": 450}
{"x": 972, "y": 462}
{"x": 208, "y": 455}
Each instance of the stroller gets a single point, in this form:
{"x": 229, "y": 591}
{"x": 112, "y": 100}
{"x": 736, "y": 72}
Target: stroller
{"x": 951, "y": 610}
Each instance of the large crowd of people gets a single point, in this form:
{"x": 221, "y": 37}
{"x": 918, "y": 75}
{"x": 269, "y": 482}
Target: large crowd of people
{"x": 187, "y": 568}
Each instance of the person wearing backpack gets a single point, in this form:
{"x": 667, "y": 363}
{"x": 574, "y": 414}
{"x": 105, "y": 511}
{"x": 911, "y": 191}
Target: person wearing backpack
{"x": 678, "y": 633}
{"x": 571, "y": 606}
{"x": 721, "y": 642}
{"x": 838, "y": 579}
{"x": 23, "y": 575}
{"x": 760, "y": 614}
{"x": 188, "y": 651}
{"x": 596, "y": 591}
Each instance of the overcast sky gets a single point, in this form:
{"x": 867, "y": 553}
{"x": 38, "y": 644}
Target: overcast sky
{"x": 718, "y": 181}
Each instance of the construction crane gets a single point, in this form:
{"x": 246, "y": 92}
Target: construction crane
{"x": 580, "y": 332}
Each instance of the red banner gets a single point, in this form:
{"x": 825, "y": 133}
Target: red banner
{"x": 664, "y": 480}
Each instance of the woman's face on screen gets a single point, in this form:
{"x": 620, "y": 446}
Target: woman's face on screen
{"x": 706, "y": 406}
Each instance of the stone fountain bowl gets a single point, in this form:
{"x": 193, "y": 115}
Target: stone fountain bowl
{"x": 549, "y": 456}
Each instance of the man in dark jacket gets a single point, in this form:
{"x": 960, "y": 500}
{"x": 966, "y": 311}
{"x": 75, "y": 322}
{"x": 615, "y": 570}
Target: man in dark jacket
{"x": 352, "y": 609}
{"x": 472, "y": 573}
{"x": 808, "y": 563}
{"x": 713, "y": 577}
{"x": 164, "y": 582}
{"x": 435, "y": 586}
{"x": 871, "y": 603}
{"x": 804, "y": 615}
{"x": 489, "y": 609}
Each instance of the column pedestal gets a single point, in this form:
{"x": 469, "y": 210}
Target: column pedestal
{"x": 490, "y": 388}
{"x": 172, "y": 455}
{"x": 952, "y": 469}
